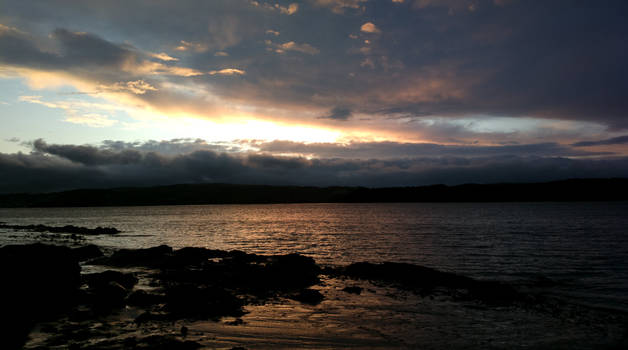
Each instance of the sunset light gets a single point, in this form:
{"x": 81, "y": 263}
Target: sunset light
{"x": 313, "y": 174}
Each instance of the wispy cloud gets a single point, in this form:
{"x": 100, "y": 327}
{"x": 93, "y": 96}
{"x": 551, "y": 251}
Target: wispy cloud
{"x": 227, "y": 71}
{"x": 164, "y": 57}
{"x": 138, "y": 87}
{"x": 290, "y": 9}
{"x": 620, "y": 140}
{"x": 273, "y": 32}
{"x": 92, "y": 120}
{"x": 292, "y": 46}
{"x": 339, "y": 6}
{"x": 79, "y": 112}
{"x": 186, "y": 45}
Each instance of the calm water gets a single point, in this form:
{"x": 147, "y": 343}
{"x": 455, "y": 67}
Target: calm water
{"x": 582, "y": 247}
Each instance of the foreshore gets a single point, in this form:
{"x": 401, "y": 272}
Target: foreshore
{"x": 162, "y": 298}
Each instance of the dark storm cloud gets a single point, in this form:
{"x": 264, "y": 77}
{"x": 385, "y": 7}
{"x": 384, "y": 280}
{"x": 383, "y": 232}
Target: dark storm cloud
{"x": 338, "y": 113}
{"x": 172, "y": 147}
{"x": 119, "y": 152}
{"x": 620, "y": 140}
{"x": 365, "y": 150}
{"x": 76, "y": 50}
{"x": 112, "y": 67}
{"x": 554, "y": 59}
{"x": 17, "y": 48}
{"x": 88, "y": 155}
{"x": 84, "y": 48}
{"x": 36, "y": 172}
{"x": 59, "y": 167}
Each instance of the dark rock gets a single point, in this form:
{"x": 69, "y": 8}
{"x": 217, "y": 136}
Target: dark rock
{"x": 96, "y": 280}
{"x": 245, "y": 274}
{"x": 261, "y": 276}
{"x": 353, "y": 290}
{"x": 109, "y": 296}
{"x": 309, "y": 296}
{"x": 149, "y": 257}
{"x": 329, "y": 271}
{"x": 494, "y": 293}
{"x": 406, "y": 275}
{"x": 240, "y": 256}
{"x": 64, "y": 229}
{"x": 86, "y": 252}
{"x": 38, "y": 282}
{"x": 236, "y": 322}
{"x": 294, "y": 270}
{"x": 194, "y": 256}
{"x": 425, "y": 280}
{"x": 143, "y": 299}
{"x": 108, "y": 290}
{"x": 204, "y": 284}
{"x": 200, "y": 302}
{"x": 151, "y": 316}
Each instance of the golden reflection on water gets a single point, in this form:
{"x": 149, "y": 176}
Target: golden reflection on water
{"x": 581, "y": 243}
{"x": 482, "y": 240}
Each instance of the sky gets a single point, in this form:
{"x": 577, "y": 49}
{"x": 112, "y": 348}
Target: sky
{"x": 314, "y": 92}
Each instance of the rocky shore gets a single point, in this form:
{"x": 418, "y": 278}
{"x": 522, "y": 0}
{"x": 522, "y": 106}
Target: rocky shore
{"x": 158, "y": 288}
{"x": 62, "y": 229}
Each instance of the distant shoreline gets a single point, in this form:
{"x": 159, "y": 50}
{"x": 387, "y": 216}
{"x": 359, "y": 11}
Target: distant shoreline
{"x": 572, "y": 190}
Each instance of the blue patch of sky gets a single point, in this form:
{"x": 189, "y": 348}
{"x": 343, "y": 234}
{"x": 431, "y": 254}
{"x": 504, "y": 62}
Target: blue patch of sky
{"x": 27, "y": 121}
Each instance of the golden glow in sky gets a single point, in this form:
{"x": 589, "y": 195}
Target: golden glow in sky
{"x": 359, "y": 92}
{"x": 363, "y": 79}
{"x": 250, "y": 130}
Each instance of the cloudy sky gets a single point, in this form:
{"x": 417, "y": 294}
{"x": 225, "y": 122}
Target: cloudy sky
{"x": 314, "y": 92}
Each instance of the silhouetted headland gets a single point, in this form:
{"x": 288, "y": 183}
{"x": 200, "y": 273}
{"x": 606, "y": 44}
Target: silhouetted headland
{"x": 186, "y": 194}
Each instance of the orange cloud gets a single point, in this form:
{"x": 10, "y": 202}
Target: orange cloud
{"x": 369, "y": 27}
{"x": 163, "y": 56}
{"x": 228, "y": 71}
{"x": 292, "y": 46}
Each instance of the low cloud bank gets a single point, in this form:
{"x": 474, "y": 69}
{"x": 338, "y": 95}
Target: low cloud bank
{"x": 51, "y": 167}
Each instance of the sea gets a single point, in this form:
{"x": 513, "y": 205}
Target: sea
{"x": 574, "y": 253}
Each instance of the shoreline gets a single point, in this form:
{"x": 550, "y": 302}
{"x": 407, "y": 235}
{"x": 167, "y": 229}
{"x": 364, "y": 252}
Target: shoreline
{"x": 164, "y": 298}
{"x": 570, "y": 190}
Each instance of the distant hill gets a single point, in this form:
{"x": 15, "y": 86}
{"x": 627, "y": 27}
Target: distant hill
{"x": 566, "y": 190}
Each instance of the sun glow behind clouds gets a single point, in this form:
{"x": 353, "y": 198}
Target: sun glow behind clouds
{"x": 257, "y": 129}
{"x": 238, "y": 130}
{"x": 140, "y": 121}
